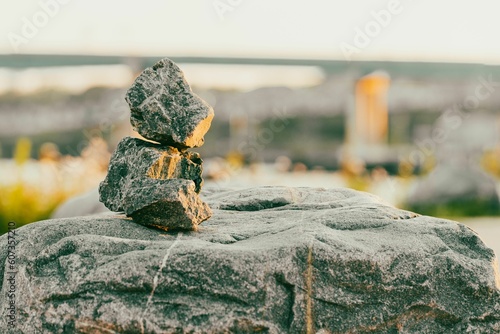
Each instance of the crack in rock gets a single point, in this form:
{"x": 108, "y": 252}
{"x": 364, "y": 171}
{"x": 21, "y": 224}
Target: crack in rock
{"x": 155, "y": 279}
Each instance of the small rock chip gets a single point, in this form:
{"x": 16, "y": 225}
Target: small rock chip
{"x": 167, "y": 204}
{"x": 164, "y": 109}
{"x": 135, "y": 160}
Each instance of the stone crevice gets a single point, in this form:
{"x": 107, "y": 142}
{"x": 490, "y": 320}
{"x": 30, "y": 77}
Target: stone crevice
{"x": 256, "y": 206}
{"x": 290, "y": 299}
{"x": 155, "y": 279}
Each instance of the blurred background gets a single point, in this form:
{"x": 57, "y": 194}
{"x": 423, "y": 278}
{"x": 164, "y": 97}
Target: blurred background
{"x": 397, "y": 98}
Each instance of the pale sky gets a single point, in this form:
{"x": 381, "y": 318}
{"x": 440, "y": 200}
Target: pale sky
{"x": 448, "y": 30}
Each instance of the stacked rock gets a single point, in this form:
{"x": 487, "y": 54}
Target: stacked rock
{"x": 158, "y": 184}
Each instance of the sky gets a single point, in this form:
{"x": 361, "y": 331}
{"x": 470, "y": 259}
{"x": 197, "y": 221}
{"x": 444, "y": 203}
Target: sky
{"x": 444, "y": 30}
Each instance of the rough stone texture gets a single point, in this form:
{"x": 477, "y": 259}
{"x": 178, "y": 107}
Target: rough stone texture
{"x": 271, "y": 260}
{"x": 164, "y": 109}
{"x": 167, "y": 204}
{"x": 136, "y": 163}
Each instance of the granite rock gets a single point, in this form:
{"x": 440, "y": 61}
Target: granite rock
{"x": 166, "y": 204}
{"x": 271, "y": 260}
{"x": 164, "y": 109}
{"x": 136, "y": 162}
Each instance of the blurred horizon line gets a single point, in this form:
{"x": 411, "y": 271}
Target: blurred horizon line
{"x": 20, "y": 69}
{"x": 246, "y": 59}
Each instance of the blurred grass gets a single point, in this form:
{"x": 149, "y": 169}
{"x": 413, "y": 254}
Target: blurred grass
{"x": 458, "y": 208}
{"x": 24, "y": 203}
{"x": 32, "y": 189}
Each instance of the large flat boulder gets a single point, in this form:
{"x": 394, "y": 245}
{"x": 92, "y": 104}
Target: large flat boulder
{"x": 270, "y": 260}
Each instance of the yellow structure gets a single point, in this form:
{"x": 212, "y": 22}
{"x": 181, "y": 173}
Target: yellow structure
{"x": 371, "y": 113}
{"x": 367, "y": 121}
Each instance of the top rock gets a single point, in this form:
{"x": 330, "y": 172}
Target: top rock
{"x": 164, "y": 109}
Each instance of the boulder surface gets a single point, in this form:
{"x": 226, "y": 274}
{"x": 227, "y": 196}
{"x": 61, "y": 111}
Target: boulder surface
{"x": 271, "y": 260}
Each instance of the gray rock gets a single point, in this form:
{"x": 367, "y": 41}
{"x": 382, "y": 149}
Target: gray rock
{"x": 458, "y": 186}
{"x": 137, "y": 162}
{"x": 455, "y": 188}
{"x": 271, "y": 260}
{"x": 166, "y": 204}
{"x": 478, "y": 131}
{"x": 80, "y": 205}
{"x": 164, "y": 109}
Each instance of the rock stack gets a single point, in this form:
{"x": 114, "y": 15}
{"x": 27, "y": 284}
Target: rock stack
{"x": 157, "y": 184}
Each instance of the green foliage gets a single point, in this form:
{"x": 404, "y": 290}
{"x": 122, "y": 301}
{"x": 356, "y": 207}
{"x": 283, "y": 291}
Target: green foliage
{"x": 24, "y": 204}
{"x": 458, "y": 208}
{"x": 33, "y": 189}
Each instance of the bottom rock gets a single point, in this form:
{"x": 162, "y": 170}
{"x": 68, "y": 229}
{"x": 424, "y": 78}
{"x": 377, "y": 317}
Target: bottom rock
{"x": 166, "y": 204}
{"x": 270, "y": 260}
